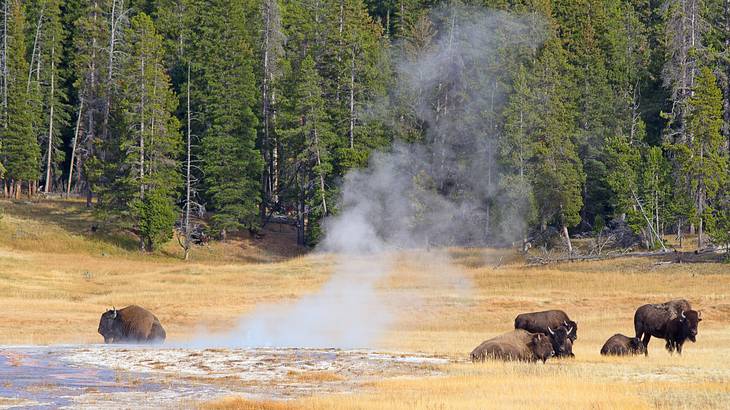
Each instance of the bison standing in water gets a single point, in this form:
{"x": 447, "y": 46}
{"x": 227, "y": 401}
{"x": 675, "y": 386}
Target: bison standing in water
{"x": 131, "y": 324}
{"x": 519, "y": 345}
{"x": 653, "y": 320}
{"x": 620, "y": 345}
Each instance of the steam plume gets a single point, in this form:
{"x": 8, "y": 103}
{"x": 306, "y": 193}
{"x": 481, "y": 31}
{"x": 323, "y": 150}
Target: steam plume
{"x": 439, "y": 191}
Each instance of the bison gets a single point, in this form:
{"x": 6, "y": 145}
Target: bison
{"x": 538, "y": 322}
{"x": 682, "y": 328}
{"x": 519, "y": 345}
{"x": 620, "y": 345}
{"x": 560, "y": 339}
{"x": 131, "y": 324}
{"x": 651, "y": 320}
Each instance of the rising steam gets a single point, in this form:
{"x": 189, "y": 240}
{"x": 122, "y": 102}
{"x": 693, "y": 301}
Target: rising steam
{"x": 439, "y": 191}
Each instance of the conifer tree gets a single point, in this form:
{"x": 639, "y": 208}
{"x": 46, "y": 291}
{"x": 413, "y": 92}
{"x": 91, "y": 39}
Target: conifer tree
{"x": 702, "y": 157}
{"x": 558, "y": 176}
{"x": 20, "y": 149}
{"x": 147, "y": 169}
{"x": 231, "y": 164}
{"x": 307, "y": 132}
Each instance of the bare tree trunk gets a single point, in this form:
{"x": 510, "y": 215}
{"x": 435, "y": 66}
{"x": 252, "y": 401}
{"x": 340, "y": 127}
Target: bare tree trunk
{"x": 114, "y": 20}
{"x": 49, "y": 149}
{"x": 35, "y": 48}
{"x": 187, "y": 175}
{"x": 352, "y": 100}
{"x": 567, "y": 239}
{"x": 141, "y": 148}
{"x": 319, "y": 165}
{"x": 5, "y": 64}
{"x": 73, "y": 148}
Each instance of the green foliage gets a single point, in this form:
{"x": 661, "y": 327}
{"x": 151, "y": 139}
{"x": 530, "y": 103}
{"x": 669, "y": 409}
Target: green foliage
{"x": 21, "y": 153}
{"x": 148, "y": 141}
{"x": 223, "y": 67}
{"x": 157, "y": 214}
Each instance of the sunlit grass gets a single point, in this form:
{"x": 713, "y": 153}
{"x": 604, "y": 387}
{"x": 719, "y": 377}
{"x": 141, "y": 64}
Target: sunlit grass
{"x": 56, "y": 279}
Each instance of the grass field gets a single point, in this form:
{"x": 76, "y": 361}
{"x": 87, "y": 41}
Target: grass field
{"x": 57, "y": 277}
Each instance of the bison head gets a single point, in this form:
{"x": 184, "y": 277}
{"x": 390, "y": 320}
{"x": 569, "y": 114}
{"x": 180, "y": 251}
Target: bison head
{"x": 636, "y": 346}
{"x": 561, "y": 342}
{"x": 541, "y": 347}
{"x": 690, "y": 319}
{"x": 107, "y": 325}
{"x": 573, "y": 334}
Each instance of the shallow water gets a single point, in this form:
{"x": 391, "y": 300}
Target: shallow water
{"x": 41, "y": 378}
{"x": 99, "y": 376}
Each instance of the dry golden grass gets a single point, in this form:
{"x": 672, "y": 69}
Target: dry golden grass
{"x": 47, "y": 296}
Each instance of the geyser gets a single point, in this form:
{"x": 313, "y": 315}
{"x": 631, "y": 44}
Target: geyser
{"x": 436, "y": 192}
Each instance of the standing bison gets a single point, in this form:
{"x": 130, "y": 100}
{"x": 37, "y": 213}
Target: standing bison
{"x": 519, "y": 345}
{"x": 682, "y": 328}
{"x": 131, "y": 324}
{"x": 620, "y": 345}
{"x": 654, "y": 320}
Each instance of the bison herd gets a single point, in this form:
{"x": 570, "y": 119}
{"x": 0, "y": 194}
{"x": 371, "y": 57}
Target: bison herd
{"x": 536, "y": 336}
{"x": 541, "y": 335}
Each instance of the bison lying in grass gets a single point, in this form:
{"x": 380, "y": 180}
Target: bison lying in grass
{"x": 131, "y": 324}
{"x": 554, "y": 323}
{"x": 654, "y": 320}
{"x": 519, "y": 345}
{"x": 620, "y": 345}
{"x": 538, "y": 322}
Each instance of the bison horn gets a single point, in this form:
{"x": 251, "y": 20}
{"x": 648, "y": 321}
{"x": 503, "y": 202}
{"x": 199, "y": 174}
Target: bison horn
{"x": 683, "y": 316}
{"x": 565, "y": 323}
{"x": 115, "y": 312}
{"x": 551, "y": 331}
{"x": 570, "y": 330}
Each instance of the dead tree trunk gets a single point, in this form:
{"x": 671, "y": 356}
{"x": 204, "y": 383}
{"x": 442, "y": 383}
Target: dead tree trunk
{"x": 49, "y": 149}
{"x": 188, "y": 182}
{"x": 73, "y": 148}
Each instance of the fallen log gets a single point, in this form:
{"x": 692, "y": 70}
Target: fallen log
{"x": 537, "y": 260}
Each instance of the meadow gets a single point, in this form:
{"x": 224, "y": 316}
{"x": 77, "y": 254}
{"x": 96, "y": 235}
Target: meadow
{"x": 57, "y": 276}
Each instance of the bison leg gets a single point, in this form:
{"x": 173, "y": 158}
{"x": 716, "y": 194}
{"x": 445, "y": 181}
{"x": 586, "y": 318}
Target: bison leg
{"x": 647, "y": 338}
{"x": 679, "y": 349}
{"x": 670, "y": 347}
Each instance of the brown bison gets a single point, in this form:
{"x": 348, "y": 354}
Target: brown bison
{"x": 682, "y": 328}
{"x": 560, "y": 339}
{"x": 519, "y": 345}
{"x": 131, "y": 324}
{"x": 651, "y": 320}
{"x": 538, "y": 322}
{"x": 620, "y": 345}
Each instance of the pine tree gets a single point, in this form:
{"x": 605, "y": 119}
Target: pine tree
{"x": 48, "y": 83}
{"x": 147, "y": 172}
{"x": 558, "y": 176}
{"x": 704, "y": 162}
{"x": 231, "y": 164}
{"x": 89, "y": 59}
{"x": 20, "y": 148}
{"x": 307, "y": 132}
